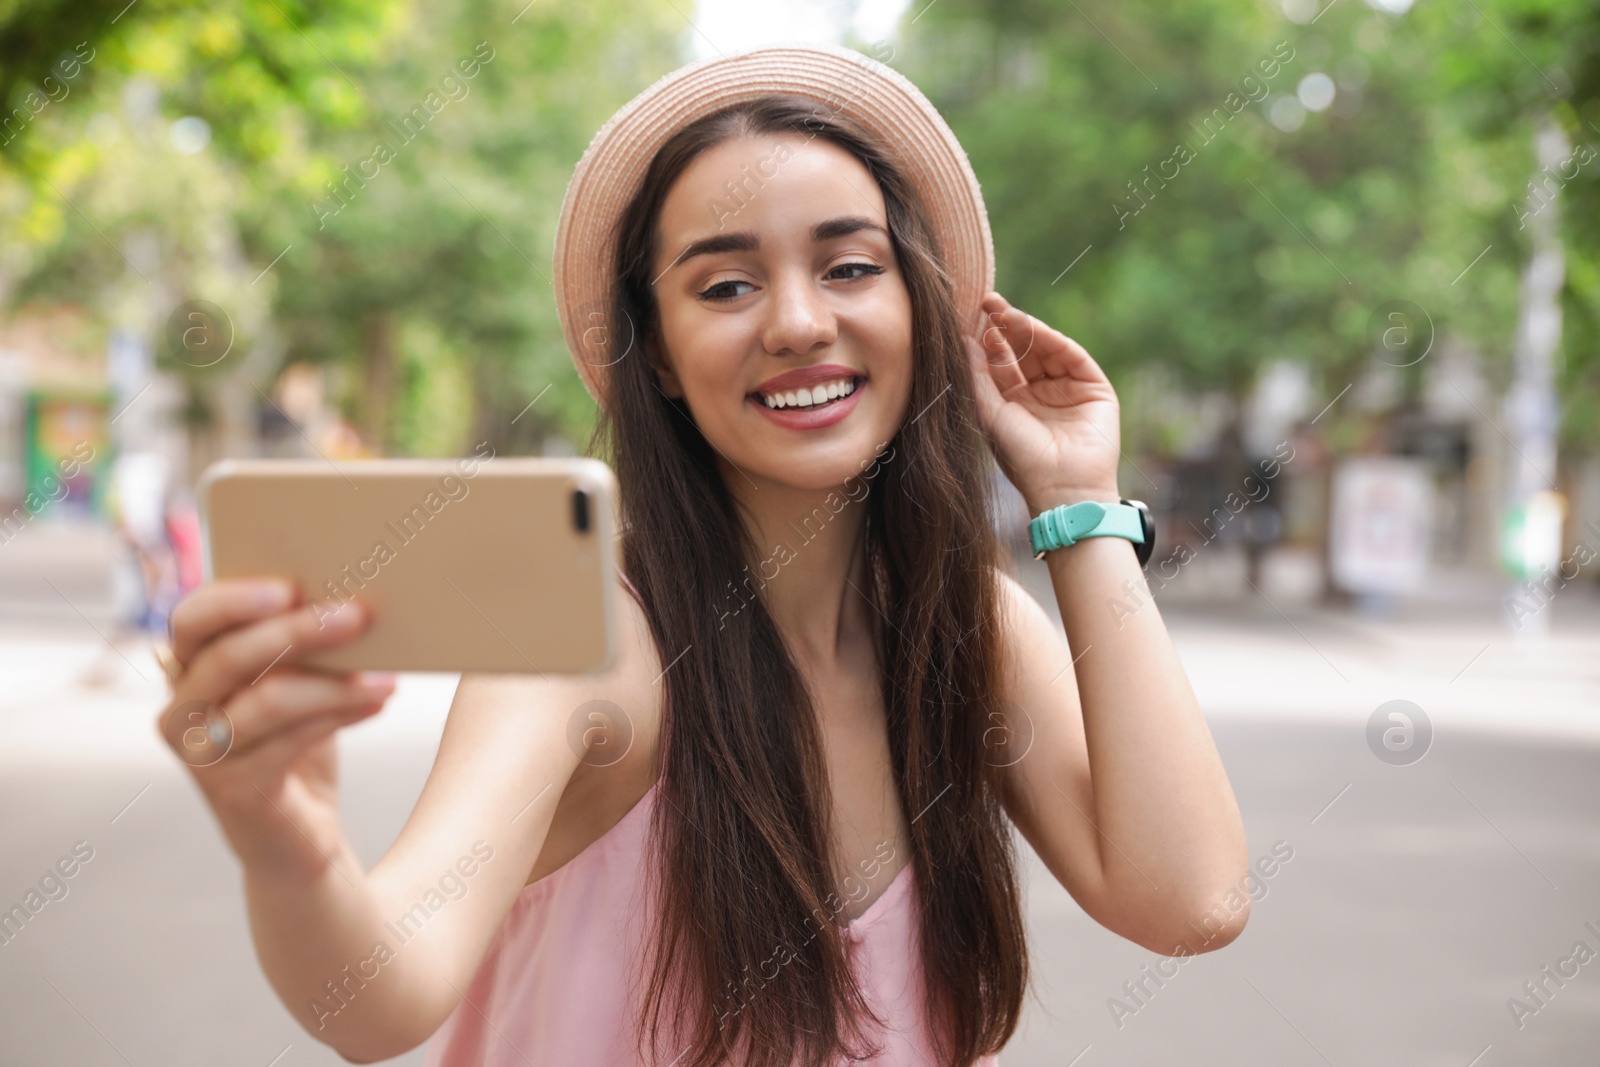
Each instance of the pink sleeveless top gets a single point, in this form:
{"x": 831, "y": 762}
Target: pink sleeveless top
{"x": 560, "y": 983}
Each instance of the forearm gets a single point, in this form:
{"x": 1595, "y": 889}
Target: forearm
{"x": 326, "y": 947}
{"x": 1169, "y": 834}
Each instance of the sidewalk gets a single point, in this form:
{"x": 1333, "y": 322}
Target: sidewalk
{"x": 1449, "y": 650}
{"x": 53, "y": 571}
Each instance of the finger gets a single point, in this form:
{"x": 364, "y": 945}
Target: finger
{"x": 1061, "y": 356}
{"x": 202, "y": 732}
{"x": 240, "y": 657}
{"x": 271, "y": 758}
{"x": 284, "y": 700}
{"x": 1043, "y": 352}
{"x": 220, "y": 605}
{"x": 1081, "y": 364}
{"x": 1020, "y": 332}
{"x": 997, "y": 353}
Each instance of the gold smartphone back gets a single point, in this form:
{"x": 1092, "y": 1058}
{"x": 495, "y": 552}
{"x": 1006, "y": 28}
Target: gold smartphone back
{"x": 503, "y": 565}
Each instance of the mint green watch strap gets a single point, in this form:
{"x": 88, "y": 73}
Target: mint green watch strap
{"x": 1070, "y": 523}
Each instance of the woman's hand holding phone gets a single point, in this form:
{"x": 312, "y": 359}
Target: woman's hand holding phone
{"x": 256, "y": 730}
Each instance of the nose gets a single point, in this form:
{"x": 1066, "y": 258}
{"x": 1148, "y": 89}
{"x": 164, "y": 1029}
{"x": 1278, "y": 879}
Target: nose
{"x": 798, "y": 316}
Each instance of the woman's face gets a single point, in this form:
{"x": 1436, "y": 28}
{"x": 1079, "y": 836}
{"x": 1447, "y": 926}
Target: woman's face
{"x": 791, "y": 284}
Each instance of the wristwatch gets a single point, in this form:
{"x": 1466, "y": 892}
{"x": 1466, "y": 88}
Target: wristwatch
{"x": 1071, "y": 523}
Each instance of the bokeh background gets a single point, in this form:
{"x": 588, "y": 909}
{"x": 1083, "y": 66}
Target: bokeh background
{"x": 1339, "y": 258}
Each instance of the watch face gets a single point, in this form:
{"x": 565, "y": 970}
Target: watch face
{"x": 1147, "y": 521}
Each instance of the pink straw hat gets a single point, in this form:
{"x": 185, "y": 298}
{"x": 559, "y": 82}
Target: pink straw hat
{"x": 840, "y": 81}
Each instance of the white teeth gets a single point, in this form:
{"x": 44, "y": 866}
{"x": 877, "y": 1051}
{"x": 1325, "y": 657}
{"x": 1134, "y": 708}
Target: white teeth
{"x": 819, "y": 394}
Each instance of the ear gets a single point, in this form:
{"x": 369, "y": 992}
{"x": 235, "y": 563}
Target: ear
{"x": 665, "y": 375}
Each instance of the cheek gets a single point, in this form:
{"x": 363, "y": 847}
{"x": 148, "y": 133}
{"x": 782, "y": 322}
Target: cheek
{"x": 712, "y": 369}
{"x": 887, "y": 337}
{"x": 712, "y": 380}
{"x": 703, "y": 353}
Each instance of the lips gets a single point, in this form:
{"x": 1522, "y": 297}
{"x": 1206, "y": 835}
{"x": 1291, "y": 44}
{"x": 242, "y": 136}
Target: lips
{"x": 815, "y": 417}
{"x": 806, "y": 377}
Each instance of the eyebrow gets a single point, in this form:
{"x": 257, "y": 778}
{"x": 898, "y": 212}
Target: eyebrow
{"x": 745, "y": 241}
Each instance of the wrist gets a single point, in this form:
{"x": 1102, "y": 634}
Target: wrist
{"x": 1042, "y": 500}
{"x": 1068, "y": 518}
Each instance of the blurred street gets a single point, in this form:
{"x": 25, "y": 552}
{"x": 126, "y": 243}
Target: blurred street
{"x": 1415, "y": 899}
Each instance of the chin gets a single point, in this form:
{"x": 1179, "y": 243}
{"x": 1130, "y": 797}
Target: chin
{"x": 842, "y": 465}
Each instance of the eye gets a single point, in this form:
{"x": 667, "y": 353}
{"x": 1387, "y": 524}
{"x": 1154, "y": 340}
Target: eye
{"x": 711, "y": 293}
{"x": 870, "y": 268}
{"x": 706, "y": 294}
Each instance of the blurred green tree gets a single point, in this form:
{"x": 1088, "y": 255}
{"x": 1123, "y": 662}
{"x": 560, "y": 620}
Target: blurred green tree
{"x": 1209, "y": 235}
{"x": 1157, "y": 185}
{"x": 232, "y": 153}
{"x": 444, "y": 219}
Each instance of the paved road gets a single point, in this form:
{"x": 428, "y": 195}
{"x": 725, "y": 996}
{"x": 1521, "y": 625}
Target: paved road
{"x": 1416, "y": 901}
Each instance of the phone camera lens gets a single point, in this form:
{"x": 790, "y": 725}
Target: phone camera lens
{"x": 580, "y": 510}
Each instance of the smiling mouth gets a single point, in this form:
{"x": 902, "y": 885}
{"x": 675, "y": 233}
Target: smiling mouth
{"x": 817, "y": 396}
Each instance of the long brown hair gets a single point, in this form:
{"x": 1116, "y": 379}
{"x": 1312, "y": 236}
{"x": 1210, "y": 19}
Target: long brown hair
{"x": 748, "y": 961}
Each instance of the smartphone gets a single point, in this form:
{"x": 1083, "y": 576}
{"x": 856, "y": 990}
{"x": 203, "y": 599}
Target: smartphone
{"x": 501, "y": 565}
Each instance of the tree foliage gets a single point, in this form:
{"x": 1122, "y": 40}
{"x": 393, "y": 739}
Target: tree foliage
{"x": 366, "y": 204}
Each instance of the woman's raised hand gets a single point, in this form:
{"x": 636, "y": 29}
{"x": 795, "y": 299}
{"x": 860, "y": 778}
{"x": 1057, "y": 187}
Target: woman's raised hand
{"x": 1046, "y": 406}
{"x": 255, "y": 729}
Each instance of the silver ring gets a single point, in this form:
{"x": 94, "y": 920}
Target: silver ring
{"x": 200, "y": 732}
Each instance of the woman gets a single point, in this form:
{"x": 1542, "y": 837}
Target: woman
{"x": 787, "y": 838}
